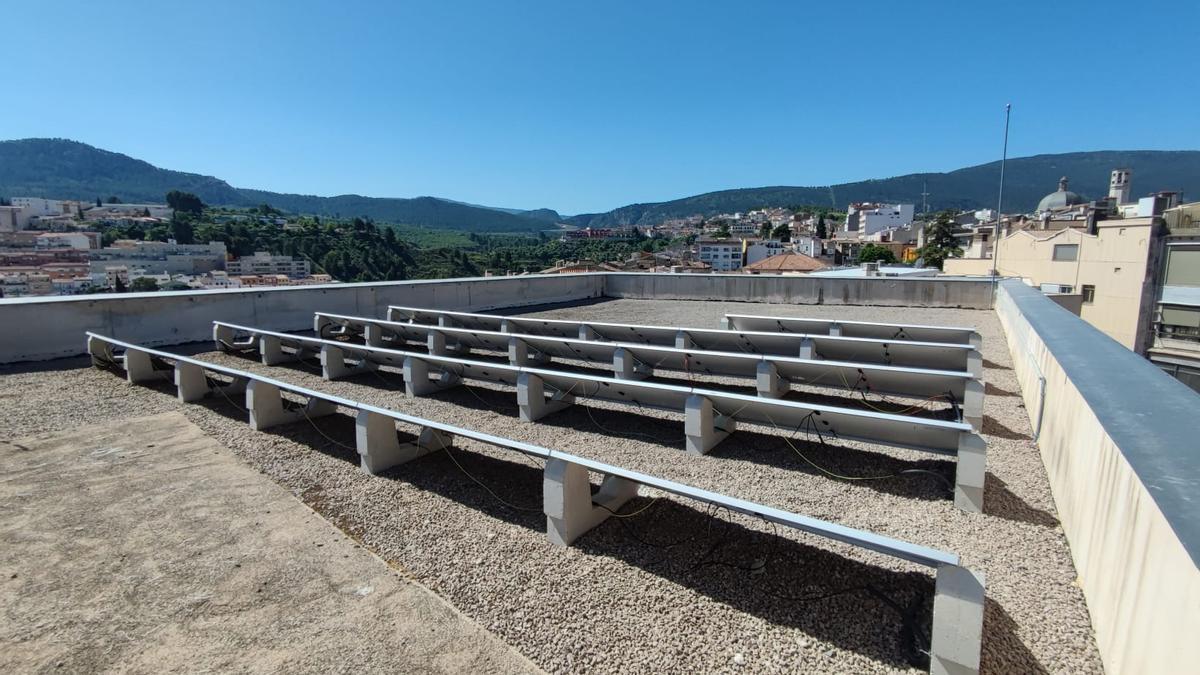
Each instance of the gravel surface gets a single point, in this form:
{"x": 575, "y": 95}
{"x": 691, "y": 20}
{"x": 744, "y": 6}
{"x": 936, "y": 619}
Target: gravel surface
{"x": 675, "y": 587}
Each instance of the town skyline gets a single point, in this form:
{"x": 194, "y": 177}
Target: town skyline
{"x": 582, "y": 110}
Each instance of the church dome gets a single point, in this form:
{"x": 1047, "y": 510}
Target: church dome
{"x": 1060, "y": 199}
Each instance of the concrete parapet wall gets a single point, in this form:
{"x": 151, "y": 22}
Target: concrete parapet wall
{"x": 803, "y": 290}
{"x": 1118, "y": 441}
{"x": 35, "y": 329}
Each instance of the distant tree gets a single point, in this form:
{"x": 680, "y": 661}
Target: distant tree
{"x": 184, "y": 201}
{"x": 145, "y": 213}
{"x": 5, "y": 201}
{"x": 765, "y": 230}
{"x": 875, "y": 253}
{"x": 722, "y": 231}
{"x": 182, "y": 231}
{"x": 142, "y": 285}
{"x": 120, "y": 286}
{"x": 940, "y": 242}
{"x": 114, "y": 200}
{"x": 822, "y": 233}
{"x": 783, "y": 232}
{"x": 98, "y": 202}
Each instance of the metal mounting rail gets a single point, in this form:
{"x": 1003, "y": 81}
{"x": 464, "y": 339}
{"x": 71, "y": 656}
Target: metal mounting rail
{"x": 863, "y": 329}
{"x": 710, "y": 416}
{"x": 908, "y": 353}
{"x": 570, "y": 507}
{"x": 635, "y": 360}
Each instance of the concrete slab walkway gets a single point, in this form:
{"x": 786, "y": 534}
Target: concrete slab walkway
{"x": 145, "y": 546}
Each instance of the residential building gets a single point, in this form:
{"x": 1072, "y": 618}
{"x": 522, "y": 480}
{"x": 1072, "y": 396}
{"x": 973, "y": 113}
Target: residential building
{"x": 723, "y": 255}
{"x": 1176, "y": 338}
{"x": 868, "y": 218}
{"x": 263, "y": 263}
{"x": 159, "y": 257}
{"x": 761, "y": 249}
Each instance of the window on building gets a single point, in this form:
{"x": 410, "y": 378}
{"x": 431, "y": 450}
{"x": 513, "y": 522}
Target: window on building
{"x": 1066, "y": 252}
{"x": 1183, "y": 266}
{"x": 1089, "y": 294}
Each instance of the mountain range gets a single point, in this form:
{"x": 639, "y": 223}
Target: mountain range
{"x": 64, "y": 169}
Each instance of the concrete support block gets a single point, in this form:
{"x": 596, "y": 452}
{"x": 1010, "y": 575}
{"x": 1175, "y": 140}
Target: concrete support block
{"x": 588, "y": 333}
{"x": 972, "y": 405}
{"x": 139, "y": 367}
{"x": 448, "y": 322}
{"x": 193, "y": 384}
{"x": 265, "y": 404}
{"x": 271, "y": 350}
{"x": 436, "y": 343}
{"x": 808, "y": 349}
{"x": 521, "y": 354}
{"x": 726, "y": 324}
{"x": 628, "y": 367}
{"x": 703, "y": 427}
{"x": 957, "y": 637}
{"x": 976, "y": 340}
{"x": 683, "y": 340}
{"x": 532, "y": 401}
{"x": 379, "y": 449}
{"x": 222, "y": 337}
{"x": 970, "y": 472}
{"x": 100, "y": 351}
{"x": 835, "y": 329}
{"x": 394, "y": 314}
{"x": 320, "y": 323}
{"x": 418, "y": 380}
{"x": 570, "y": 508}
{"x": 769, "y": 384}
{"x": 224, "y": 340}
{"x": 975, "y": 363}
{"x": 373, "y": 335}
{"x": 334, "y": 365}
{"x": 190, "y": 382}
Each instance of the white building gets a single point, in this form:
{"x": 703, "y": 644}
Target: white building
{"x": 36, "y": 206}
{"x": 763, "y": 249}
{"x": 60, "y": 240}
{"x": 723, "y": 255}
{"x": 867, "y": 218}
{"x": 265, "y": 263}
{"x": 808, "y": 244}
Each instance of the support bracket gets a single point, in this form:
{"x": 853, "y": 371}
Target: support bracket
{"x": 571, "y": 509}
{"x": 703, "y": 426}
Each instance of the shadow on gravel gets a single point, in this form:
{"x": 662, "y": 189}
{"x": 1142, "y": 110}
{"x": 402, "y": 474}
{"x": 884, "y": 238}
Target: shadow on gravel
{"x": 881, "y": 614}
{"x": 928, "y": 479}
{"x": 992, "y": 365}
{"x": 990, "y": 389}
{"x": 992, "y": 427}
{"x": 999, "y": 501}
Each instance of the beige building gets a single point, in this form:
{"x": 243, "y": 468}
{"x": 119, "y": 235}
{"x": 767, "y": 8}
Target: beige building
{"x": 1112, "y": 271}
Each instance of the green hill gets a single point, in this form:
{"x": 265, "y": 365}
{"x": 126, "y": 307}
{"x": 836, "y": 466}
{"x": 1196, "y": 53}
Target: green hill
{"x": 64, "y": 169}
{"x": 1027, "y": 180}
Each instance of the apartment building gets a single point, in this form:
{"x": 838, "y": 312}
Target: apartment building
{"x": 263, "y": 263}
{"x": 723, "y": 255}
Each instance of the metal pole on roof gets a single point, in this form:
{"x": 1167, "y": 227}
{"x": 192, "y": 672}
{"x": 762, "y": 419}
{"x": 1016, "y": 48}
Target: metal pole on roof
{"x": 1000, "y": 199}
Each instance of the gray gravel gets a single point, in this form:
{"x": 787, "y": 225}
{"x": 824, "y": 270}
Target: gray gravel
{"x": 674, "y": 588}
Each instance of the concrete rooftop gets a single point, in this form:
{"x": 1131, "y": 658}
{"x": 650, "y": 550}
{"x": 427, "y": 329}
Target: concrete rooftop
{"x": 673, "y": 588}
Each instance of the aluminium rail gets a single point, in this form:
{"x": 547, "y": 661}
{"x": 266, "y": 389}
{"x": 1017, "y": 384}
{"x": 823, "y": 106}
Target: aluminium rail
{"x": 936, "y": 355}
{"x": 636, "y": 360}
{"x": 710, "y": 416}
{"x": 863, "y": 329}
{"x": 570, "y": 507}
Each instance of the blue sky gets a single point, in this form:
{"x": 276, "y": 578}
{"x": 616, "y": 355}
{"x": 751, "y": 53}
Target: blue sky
{"x": 588, "y": 106}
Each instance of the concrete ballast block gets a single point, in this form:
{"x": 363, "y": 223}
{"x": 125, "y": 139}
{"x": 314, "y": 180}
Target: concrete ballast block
{"x": 703, "y": 427}
{"x": 567, "y": 499}
{"x": 379, "y": 448}
{"x": 957, "y": 635}
{"x": 532, "y": 401}
{"x": 970, "y": 473}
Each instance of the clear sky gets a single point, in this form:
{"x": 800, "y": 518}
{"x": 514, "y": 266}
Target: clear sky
{"x": 586, "y": 106}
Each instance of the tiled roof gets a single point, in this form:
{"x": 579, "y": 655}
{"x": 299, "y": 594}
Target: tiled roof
{"x": 787, "y": 262}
